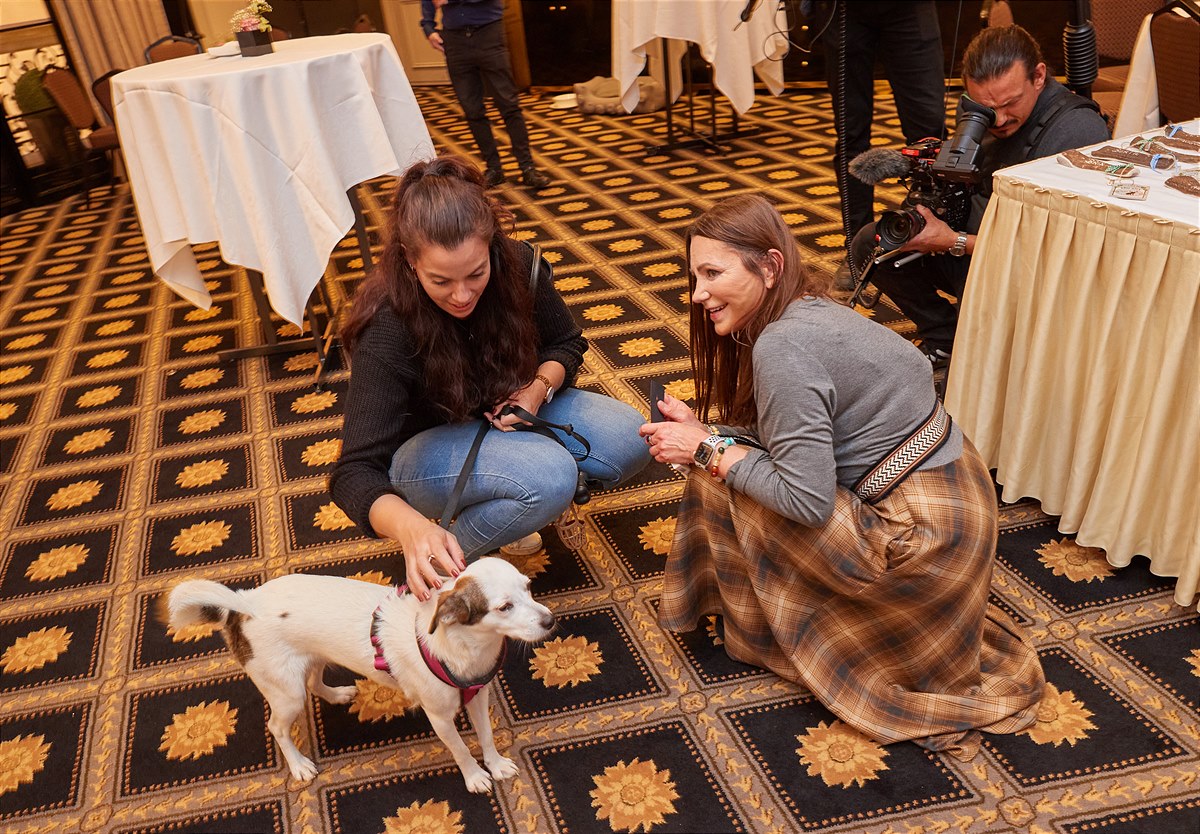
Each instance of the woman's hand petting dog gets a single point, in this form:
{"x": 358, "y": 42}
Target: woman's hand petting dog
{"x": 430, "y": 552}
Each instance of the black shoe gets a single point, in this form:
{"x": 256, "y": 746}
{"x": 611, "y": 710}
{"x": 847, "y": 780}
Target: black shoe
{"x": 534, "y": 178}
{"x": 494, "y": 176}
{"x": 939, "y": 357}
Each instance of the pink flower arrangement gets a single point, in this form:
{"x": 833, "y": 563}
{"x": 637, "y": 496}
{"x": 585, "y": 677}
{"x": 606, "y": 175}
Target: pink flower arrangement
{"x": 252, "y": 17}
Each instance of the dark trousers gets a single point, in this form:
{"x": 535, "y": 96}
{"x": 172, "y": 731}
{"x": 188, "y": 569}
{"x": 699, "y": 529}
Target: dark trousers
{"x": 476, "y": 60}
{"x": 914, "y": 288}
{"x": 905, "y": 39}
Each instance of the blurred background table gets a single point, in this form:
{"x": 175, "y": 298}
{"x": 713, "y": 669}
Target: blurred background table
{"x": 261, "y": 154}
{"x": 1076, "y": 362}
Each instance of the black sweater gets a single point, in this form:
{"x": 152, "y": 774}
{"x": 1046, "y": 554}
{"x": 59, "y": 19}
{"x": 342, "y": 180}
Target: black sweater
{"x": 387, "y": 403}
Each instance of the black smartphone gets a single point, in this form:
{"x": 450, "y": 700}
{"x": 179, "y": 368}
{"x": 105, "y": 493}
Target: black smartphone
{"x": 657, "y": 392}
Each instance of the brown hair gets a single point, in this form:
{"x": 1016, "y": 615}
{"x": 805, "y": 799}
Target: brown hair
{"x": 468, "y": 366}
{"x": 995, "y": 50}
{"x": 722, "y": 366}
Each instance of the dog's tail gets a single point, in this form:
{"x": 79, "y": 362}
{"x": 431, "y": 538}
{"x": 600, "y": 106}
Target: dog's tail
{"x": 201, "y": 601}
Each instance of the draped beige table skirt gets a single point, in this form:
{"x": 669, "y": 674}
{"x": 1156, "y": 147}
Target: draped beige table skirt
{"x": 1077, "y": 371}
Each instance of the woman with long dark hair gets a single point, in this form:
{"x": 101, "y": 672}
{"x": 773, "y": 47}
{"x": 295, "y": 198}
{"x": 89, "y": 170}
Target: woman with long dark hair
{"x": 448, "y": 330}
{"x": 834, "y": 515}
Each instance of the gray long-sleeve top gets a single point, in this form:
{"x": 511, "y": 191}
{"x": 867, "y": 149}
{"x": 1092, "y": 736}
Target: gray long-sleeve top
{"x": 835, "y": 393}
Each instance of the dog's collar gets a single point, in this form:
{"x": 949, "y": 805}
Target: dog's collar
{"x": 468, "y": 688}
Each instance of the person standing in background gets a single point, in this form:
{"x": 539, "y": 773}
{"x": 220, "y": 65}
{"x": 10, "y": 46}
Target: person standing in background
{"x": 906, "y": 39}
{"x": 472, "y": 39}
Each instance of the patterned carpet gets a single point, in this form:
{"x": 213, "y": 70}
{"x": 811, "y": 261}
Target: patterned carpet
{"x": 130, "y": 459}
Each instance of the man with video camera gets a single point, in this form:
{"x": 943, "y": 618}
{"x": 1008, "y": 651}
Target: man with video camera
{"x": 1013, "y": 111}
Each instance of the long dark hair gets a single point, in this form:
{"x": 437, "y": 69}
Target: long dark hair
{"x": 470, "y": 365}
{"x": 722, "y": 366}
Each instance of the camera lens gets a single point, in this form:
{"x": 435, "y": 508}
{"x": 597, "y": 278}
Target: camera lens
{"x": 896, "y": 228}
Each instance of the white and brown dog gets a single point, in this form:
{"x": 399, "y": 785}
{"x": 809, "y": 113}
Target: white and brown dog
{"x": 441, "y": 653}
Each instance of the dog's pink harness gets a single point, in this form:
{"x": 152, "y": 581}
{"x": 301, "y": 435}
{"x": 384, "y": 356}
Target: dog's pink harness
{"x": 468, "y": 689}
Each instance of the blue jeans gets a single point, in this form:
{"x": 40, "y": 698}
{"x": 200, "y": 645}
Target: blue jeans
{"x": 521, "y": 480}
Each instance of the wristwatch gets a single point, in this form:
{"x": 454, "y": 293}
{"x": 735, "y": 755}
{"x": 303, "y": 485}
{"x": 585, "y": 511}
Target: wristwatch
{"x": 549, "y": 387}
{"x": 707, "y": 450}
{"x": 960, "y": 245}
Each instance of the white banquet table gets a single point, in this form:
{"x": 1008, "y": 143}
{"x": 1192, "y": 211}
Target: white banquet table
{"x": 736, "y": 52}
{"x": 259, "y": 154}
{"x": 1076, "y": 365}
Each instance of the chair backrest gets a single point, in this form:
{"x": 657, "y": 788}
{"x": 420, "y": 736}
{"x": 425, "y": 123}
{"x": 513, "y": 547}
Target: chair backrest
{"x": 65, "y": 89}
{"x": 1117, "y": 23}
{"x": 278, "y": 34}
{"x": 1175, "y": 37}
{"x": 171, "y": 46}
{"x": 102, "y": 91}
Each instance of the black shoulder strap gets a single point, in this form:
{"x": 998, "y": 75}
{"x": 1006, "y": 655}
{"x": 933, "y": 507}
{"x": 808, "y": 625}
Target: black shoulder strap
{"x": 1053, "y": 113}
{"x": 535, "y": 270}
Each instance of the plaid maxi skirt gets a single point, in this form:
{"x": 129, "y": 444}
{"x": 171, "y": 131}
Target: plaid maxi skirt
{"x": 882, "y": 613}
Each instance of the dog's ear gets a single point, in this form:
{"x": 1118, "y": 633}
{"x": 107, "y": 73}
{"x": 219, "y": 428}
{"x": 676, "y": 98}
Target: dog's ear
{"x": 466, "y": 604}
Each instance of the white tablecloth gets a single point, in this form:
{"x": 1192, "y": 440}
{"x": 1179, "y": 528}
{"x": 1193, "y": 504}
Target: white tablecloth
{"x": 735, "y": 52}
{"x": 257, "y": 154}
{"x": 1076, "y": 365}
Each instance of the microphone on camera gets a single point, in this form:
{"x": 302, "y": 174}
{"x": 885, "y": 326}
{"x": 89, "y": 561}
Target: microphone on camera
{"x": 879, "y": 164}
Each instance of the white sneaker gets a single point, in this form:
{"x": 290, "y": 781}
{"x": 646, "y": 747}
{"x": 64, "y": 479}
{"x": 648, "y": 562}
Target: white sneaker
{"x": 526, "y": 546}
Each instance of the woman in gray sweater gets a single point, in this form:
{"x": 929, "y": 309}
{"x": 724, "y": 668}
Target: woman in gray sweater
{"x": 834, "y": 515}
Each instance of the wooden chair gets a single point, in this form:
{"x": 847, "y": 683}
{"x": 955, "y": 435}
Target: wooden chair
{"x": 101, "y": 141}
{"x": 172, "y": 46}
{"x": 102, "y": 92}
{"x": 1175, "y": 35}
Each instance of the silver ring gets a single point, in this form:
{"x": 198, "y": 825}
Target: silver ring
{"x": 431, "y": 558}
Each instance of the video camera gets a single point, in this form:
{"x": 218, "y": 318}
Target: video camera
{"x": 941, "y": 176}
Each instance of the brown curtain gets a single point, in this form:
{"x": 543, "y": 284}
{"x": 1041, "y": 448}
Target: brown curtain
{"x": 103, "y": 35}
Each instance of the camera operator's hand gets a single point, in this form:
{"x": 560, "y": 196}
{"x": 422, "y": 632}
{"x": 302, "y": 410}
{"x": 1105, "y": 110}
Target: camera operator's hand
{"x": 937, "y": 236}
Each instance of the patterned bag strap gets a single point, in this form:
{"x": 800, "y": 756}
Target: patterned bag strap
{"x": 906, "y": 457}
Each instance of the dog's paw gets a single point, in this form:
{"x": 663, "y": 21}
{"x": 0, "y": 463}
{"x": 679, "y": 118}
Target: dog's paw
{"x": 303, "y": 769}
{"x": 478, "y": 780}
{"x": 502, "y": 767}
{"x": 342, "y": 694}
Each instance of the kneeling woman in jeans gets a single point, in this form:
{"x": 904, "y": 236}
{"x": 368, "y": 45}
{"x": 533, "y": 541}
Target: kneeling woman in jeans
{"x": 444, "y": 333}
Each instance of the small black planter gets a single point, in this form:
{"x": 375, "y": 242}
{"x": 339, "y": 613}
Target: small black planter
{"x": 255, "y": 42}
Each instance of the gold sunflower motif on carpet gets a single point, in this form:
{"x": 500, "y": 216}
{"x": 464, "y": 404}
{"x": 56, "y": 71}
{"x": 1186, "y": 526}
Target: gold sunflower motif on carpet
{"x": 26, "y": 342}
{"x": 288, "y": 331}
{"x": 202, "y": 473}
{"x": 21, "y": 759}
{"x": 314, "y": 401}
{"x": 191, "y": 633}
{"x": 98, "y": 396}
{"x": 634, "y": 796}
{"x": 660, "y": 270}
{"x": 374, "y": 702}
{"x": 552, "y": 257}
{"x": 88, "y": 441}
{"x": 202, "y": 379}
{"x": 716, "y": 185}
{"x": 523, "y": 234}
{"x": 432, "y": 817}
{"x": 107, "y": 358}
{"x": 1060, "y": 717}
{"x": 331, "y": 517}
{"x": 73, "y": 495}
{"x": 200, "y": 344}
{"x": 712, "y": 630}
{"x": 7, "y": 409}
{"x": 598, "y": 225}
{"x": 301, "y": 362}
{"x": 617, "y": 182}
{"x": 641, "y": 347}
{"x": 14, "y": 374}
{"x": 681, "y": 389}
{"x": 644, "y": 196}
{"x": 573, "y": 206}
{"x": 572, "y": 284}
{"x": 830, "y": 241}
{"x": 40, "y": 314}
{"x": 123, "y": 300}
{"x": 114, "y": 328}
{"x": 62, "y": 269}
{"x": 1079, "y": 564}
{"x": 35, "y": 650}
{"x": 322, "y": 452}
{"x": 200, "y": 537}
{"x": 532, "y": 565}
{"x": 1193, "y": 660}
{"x": 136, "y": 257}
{"x": 200, "y": 314}
{"x": 566, "y": 661}
{"x": 656, "y": 536}
{"x": 603, "y": 312}
{"x": 794, "y": 218}
{"x": 822, "y": 190}
{"x": 840, "y": 755}
{"x": 375, "y": 577}
{"x": 199, "y": 730}
{"x": 56, "y": 562}
{"x": 199, "y": 422}
{"x": 748, "y": 161}
{"x": 675, "y": 213}
{"x": 127, "y": 278}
